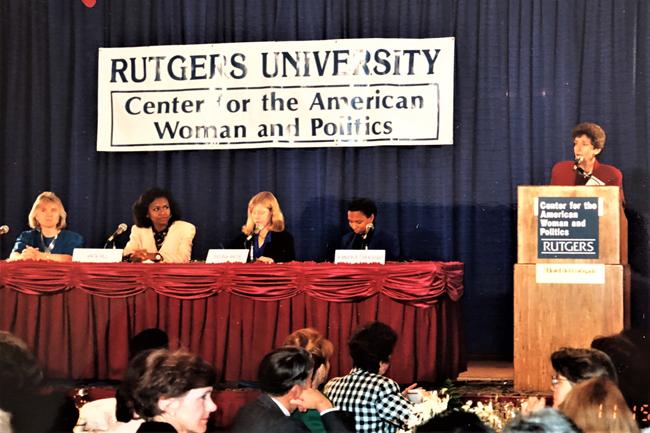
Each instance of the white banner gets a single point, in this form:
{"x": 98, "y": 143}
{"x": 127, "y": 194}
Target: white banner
{"x": 346, "y": 92}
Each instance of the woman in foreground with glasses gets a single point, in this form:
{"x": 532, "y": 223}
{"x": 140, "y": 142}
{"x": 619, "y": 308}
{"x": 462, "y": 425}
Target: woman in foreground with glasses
{"x": 572, "y": 366}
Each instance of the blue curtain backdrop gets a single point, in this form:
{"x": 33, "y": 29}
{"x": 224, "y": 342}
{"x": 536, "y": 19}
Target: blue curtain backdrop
{"x": 526, "y": 72}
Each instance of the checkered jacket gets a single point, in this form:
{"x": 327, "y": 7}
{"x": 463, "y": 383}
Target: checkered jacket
{"x": 376, "y": 402}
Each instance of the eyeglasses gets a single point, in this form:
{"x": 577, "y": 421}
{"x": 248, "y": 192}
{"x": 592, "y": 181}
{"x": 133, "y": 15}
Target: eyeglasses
{"x": 555, "y": 380}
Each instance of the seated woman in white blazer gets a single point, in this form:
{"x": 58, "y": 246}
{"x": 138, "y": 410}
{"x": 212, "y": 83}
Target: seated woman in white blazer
{"x": 159, "y": 235}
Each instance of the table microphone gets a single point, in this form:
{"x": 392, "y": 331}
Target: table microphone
{"x": 4, "y": 230}
{"x": 364, "y": 238}
{"x": 370, "y": 227}
{"x": 118, "y": 231}
{"x": 251, "y": 246}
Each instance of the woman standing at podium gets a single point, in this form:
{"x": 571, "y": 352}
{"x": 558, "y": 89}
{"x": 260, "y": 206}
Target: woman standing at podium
{"x": 264, "y": 234}
{"x": 585, "y": 169}
{"x": 47, "y": 240}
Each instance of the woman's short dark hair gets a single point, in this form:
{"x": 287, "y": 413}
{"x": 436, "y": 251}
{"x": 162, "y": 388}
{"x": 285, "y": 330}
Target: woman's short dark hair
{"x": 631, "y": 362}
{"x": 595, "y": 133}
{"x": 363, "y": 205}
{"x": 578, "y": 364}
{"x": 163, "y": 374}
{"x": 283, "y": 368}
{"x": 148, "y": 339}
{"x": 141, "y": 206}
{"x": 371, "y": 344}
{"x": 19, "y": 369}
{"x": 20, "y": 380}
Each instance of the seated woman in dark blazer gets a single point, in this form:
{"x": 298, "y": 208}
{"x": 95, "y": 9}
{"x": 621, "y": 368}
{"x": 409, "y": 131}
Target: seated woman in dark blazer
{"x": 264, "y": 234}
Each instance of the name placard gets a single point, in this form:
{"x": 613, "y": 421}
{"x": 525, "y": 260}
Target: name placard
{"x": 227, "y": 256}
{"x": 567, "y": 227}
{"x": 553, "y": 273}
{"x": 360, "y": 256}
{"x": 97, "y": 255}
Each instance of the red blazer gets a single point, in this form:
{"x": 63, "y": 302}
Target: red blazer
{"x": 564, "y": 174}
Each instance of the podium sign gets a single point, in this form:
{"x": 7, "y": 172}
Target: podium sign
{"x": 567, "y": 227}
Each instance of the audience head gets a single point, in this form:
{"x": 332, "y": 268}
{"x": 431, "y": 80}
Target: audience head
{"x": 154, "y": 207}
{"x": 593, "y": 132}
{"x": 20, "y": 378}
{"x": 263, "y": 211}
{"x": 542, "y": 421}
{"x": 147, "y": 339}
{"x": 596, "y": 405}
{"x": 361, "y": 212}
{"x": 320, "y": 349}
{"x": 455, "y": 422}
{"x": 285, "y": 370}
{"x": 144, "y": 341}
{"x": 47, "y": 202}
{"x": 573, "y": 365}
{"x": 371, "y": 346}
{"x": 631, "y": 361}
{"x": 19, "y": 369}
{"x": 173, "y": 387}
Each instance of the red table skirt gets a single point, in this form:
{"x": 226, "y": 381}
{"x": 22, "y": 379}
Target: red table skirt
{"x": 78, "y": 318}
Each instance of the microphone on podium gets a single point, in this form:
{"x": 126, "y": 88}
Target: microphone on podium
{"x": 577, "y": 161}
{"x": 4, "y": 229}
{"x": 118, "y": 231}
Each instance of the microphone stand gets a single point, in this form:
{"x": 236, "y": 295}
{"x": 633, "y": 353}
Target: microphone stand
{"x": 365, "y": 237}
{"x": 248, "y": 244}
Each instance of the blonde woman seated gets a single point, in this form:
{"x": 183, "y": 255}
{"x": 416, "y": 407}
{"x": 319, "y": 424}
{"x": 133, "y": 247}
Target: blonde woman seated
{"x": 159, "y": 235}
{"x": 47, "y": 240}
{"x": 264, "y": 234}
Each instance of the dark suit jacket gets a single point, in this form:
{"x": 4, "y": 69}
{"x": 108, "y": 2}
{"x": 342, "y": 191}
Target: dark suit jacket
{"x": 156, "y": 427}
{"x": 264, "y": 416}
{"x": 378, "y": 240}
{"x": 280, "y": 249}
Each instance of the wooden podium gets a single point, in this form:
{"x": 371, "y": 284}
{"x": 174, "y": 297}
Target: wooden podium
{"x": 562, "y": 299}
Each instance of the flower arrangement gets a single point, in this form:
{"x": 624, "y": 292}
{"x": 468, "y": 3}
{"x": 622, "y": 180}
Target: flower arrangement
{"x": 494, "y": 413}
{"x": 429, "y": 404}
